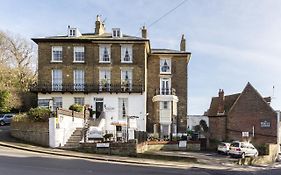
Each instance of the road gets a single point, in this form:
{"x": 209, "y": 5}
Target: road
{"x": 19, "y": 162}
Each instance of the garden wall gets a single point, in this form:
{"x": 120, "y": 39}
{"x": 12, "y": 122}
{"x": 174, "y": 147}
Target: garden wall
{"x": 33, "y": 132}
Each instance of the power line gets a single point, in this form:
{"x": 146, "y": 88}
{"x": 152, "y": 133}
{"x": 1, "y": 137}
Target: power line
{"x": 167, "y": 13}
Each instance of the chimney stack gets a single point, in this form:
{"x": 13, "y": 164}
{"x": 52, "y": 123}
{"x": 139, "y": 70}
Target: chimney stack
{"x": 183, "y": 43}
{"x": 221, "y": 102}
{"x": 100, "y": 29}
{"x": 143, "y": 32}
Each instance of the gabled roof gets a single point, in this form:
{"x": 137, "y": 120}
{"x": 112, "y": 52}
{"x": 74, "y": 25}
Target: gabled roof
{"x": 231, "y": 100}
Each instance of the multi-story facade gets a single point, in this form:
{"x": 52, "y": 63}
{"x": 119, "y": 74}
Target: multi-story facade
{"x": 117, "y": 74}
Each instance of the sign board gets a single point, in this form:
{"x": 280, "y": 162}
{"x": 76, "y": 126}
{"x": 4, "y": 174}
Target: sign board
{"x": 102, "y": 145}
{"x": 182, "y": 144}
{"x": 265, "y": 124}
{"x": 245, "y": 134}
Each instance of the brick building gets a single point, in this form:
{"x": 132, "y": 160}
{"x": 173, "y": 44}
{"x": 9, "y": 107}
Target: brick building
{"x": 246, "y": 112}
{"x": 118, "y": 75}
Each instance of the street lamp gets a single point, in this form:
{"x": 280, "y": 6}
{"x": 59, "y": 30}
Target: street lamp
{"x": 129, "y": 117}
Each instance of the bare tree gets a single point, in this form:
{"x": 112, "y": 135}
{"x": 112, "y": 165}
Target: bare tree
{"x": 17, "y": 54}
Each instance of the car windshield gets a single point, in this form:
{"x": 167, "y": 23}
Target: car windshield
{"x": 235, "y": 144}
{"x": 1, "y": 115}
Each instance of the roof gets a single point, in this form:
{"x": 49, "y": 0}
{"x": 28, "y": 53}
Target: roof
{"x": 230, "y": 100}
{"x": 167, "y": 51}
{"x": 89, "y": 37}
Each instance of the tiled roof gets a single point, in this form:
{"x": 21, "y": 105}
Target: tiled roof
{"x": 229, "y": 100}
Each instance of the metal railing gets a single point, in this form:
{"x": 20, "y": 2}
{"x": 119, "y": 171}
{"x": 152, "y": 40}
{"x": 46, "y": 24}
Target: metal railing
{"x": 87, "y": 88}
{"x": 165, "y": 91}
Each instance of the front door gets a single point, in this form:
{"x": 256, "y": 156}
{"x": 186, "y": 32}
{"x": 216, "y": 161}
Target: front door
{"x": 99, "y": 107}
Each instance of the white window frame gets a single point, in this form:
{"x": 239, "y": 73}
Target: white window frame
{"x": 102, "y": 47}
{"x": 130, "y": 78}
{"x": 166, "y": 90}
{"x": 79, "y": 99}
{"x": 57, "y": 102}
{"x": 169, "y": 63}
{"x": 79, "y": 80}
{"x": 104, "y": 82}
{"x": 55, "y": 49}
{"x": 57, "y": 79}
{"x": 116, "y": 33}
{"x": 120, "y": 107}
{"x": 78, "y": 49}
{"x": 129, "y": 48}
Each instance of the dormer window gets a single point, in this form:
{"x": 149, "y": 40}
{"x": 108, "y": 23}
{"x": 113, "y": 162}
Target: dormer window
{"x": 116, "y": 33}
{"x": 105, "y": 52}
{"x": 73, "y": 32}
{"x": 126, "y": 53}
{"x": 165, "y": 66}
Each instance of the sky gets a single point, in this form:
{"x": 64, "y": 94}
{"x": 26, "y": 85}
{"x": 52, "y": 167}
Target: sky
{"x": 232, "y": 42}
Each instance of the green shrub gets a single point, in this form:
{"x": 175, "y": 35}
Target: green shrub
{"x": 4, "y": 101}
{"x": 39, "y": 114}
{"x": 21, "y": 118}
{"x": 262, "y": 149}
{"x": 76, "y": 107}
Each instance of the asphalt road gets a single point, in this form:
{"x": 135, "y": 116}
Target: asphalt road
{"x": 19, "y": 162}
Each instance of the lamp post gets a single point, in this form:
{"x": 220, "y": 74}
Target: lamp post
{"x": 129, "y": 117}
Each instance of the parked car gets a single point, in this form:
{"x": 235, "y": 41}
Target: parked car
{"x": 242, "y": 149}
{"x": 6, "y": 119}
{"x": 223, "y": 148}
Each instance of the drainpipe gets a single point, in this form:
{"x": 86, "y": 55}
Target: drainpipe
{"x": 278, "y": 130}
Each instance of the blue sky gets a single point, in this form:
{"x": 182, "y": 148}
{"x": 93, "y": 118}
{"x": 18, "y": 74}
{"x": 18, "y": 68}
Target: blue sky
{"x": 232, "y": 42}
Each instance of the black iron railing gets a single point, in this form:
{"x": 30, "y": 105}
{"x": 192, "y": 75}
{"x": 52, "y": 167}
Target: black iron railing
{"x": 87, "y": 88}
{"x": 165, "y": 91}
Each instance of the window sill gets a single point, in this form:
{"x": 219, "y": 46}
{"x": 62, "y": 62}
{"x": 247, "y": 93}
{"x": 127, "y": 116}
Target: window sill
{"x": 104, "y": 62}
{"x": 53, "y": 61}
{"x": 126, "y": 62}
{"x": 166, "y": 73}
{"x": 78, "y": 61}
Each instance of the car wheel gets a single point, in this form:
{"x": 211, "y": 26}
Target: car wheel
{"x": 243, "y": 156}
{"x": 2, "y": 123}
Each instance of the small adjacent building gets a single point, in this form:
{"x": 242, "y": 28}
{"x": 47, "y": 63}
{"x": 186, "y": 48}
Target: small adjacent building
{"x": 194, "y": 120}
{"x": 242, "y": 116}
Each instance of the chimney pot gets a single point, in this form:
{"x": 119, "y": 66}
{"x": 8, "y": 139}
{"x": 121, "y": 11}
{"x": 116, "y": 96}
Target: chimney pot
{"x": 144, "y": 32}
{"x": 183, "y": 43}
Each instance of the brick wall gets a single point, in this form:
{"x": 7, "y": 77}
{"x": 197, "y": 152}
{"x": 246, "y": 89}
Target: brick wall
{"x": 217, "y": 128}
{"x": 179, "y": 83}
{"x": 249, "y": 111}
{"x": 91, "y": 65}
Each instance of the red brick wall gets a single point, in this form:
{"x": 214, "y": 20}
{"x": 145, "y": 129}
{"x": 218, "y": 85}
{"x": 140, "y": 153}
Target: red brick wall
{"x": 249, "y": 111}
{"x": 217, "y": 128}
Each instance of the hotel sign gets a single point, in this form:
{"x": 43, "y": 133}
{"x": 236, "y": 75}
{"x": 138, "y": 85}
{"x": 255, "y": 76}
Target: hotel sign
{"x": 265, "y": 124}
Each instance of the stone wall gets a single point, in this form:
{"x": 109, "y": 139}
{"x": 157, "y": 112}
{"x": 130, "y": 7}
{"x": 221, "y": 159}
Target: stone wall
{"x": 115, "y": 148}
{"x": 33, "y": 132}
{"x": 262, "y": 160}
